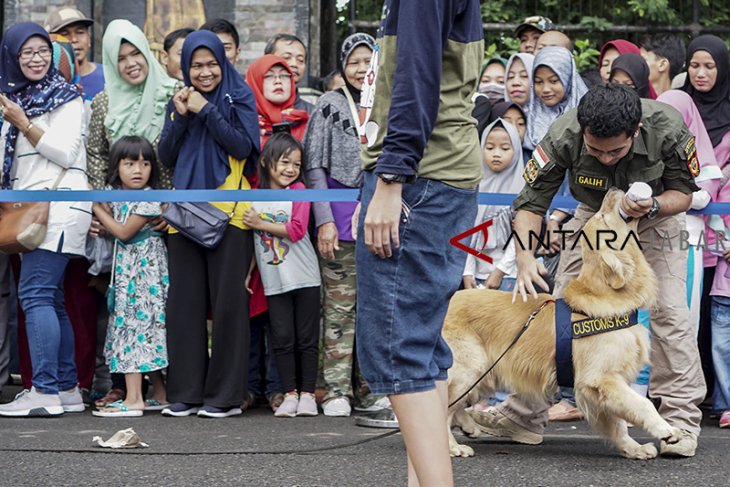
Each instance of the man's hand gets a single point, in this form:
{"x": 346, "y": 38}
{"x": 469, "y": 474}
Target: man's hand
{"x": 382, "y": 219}
{"x": 554, "y": 242}
{"x": 529, "y": 271}
{"x": 636, "y": 209}
{"x": 196, "y": 101}
{"x": 327, "y": 240}
{"x": 469, "y": 282}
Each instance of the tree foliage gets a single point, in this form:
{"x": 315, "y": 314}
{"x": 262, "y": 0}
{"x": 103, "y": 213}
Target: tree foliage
{"x": 598, "y": 18}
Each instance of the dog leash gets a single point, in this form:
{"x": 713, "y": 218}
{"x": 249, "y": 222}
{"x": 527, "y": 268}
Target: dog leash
{"x": 514, "y": 340}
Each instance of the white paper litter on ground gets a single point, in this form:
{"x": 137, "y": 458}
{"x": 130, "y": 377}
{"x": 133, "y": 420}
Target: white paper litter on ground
{"x": 122, "y": 439}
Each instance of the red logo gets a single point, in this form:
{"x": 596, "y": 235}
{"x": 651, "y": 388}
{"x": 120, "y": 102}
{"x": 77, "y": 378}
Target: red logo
{"x": 456, "y": 241}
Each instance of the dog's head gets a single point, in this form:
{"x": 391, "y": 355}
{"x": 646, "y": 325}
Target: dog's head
{"x": 615, "y": 277}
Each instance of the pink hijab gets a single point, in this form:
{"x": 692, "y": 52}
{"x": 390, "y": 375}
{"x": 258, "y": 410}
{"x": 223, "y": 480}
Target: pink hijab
{"x": 624, "y": 47}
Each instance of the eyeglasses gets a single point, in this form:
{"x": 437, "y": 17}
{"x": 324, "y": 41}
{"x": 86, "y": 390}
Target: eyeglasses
{"x": 28, "y": 54}
{"x": 280, "y": 76}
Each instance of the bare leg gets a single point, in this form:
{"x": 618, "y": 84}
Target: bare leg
{"x": 158, "y": 387}
{"x": 421, "y": 416}
{"x": 134, "y": 399}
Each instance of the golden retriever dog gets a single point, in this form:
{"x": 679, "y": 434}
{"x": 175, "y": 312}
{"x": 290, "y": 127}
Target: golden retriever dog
{"x": 480, "y": 324}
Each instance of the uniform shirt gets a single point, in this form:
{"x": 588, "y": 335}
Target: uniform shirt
{"x": 416, "y": 101}
{"x": 663, "y": 155}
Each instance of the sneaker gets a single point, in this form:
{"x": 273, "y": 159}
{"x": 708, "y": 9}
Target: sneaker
{"x": 497, "y": 424}
{"x": 307, "y": 405}
{"x": 685, "y": 447}
{"x": 564, "y": 411}
{"x": 725, "y": 419}
{"x": 288, "y": 408}
{"x": 337, "y": 407}
{"x": 180, "y": 409}
{"x": 214, "y": 412}
{"x": 30, "y": 403}
{"x": 72, "y": 401}
{"x": 380, "y": 404}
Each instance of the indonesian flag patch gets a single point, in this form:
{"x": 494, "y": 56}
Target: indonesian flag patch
{"x": 540, "y": 157}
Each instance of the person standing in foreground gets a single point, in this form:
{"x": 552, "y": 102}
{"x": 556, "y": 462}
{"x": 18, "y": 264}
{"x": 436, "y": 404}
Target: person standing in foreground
{"x": 422, "y": 165}
{"x": 612, "y": 139}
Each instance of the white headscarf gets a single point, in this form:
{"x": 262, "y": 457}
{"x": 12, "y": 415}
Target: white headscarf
{"x": 527, "y": 59}
{"x": 508, "y": 180}
{"x": 560, "y": 60}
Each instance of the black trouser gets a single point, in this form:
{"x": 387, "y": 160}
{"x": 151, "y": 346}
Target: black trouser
{"x": 199, "y": 277}
{"x": 295, "y": 335}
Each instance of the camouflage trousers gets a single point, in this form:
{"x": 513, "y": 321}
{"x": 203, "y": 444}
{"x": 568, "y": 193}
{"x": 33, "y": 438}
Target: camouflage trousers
{"x": 341, "y": 376}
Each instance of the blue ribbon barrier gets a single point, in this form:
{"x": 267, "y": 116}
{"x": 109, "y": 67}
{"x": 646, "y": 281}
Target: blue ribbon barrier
{"x": 312, "y": 195}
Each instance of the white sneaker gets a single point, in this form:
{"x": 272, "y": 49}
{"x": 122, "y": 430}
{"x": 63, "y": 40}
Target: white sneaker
{"x": 30, "y": 403}
{"x": 337, "y": 407}
{"x": 71, "y": 401}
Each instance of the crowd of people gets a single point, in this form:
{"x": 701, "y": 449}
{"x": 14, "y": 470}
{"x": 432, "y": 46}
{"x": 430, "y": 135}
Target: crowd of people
{"x": 115, "y": 300}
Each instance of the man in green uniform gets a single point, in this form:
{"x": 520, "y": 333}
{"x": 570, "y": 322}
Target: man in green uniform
{"x": 612, "y": 140}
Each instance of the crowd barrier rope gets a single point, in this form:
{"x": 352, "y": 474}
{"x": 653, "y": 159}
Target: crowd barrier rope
{"x": 253, "y": 195}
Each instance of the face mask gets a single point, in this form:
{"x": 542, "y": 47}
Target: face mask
{"x": 493, "y": 91}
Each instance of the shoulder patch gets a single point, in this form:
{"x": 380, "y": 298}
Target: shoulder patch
{"x": 531, "y": 170}
{"x": 690, "y": 152}
{"x": 540, "y": 157}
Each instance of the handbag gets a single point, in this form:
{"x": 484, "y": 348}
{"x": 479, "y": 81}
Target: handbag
{"x": 201, "y": 222}
{"x": 23, "y": 225}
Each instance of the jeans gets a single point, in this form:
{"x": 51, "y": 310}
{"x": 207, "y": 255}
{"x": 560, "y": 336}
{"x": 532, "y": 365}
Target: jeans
{"x": 402, "y": 300}
{"x": 50, "y": 336}
{"x": 261, "y": 344}
{"x": 721, "y": 352}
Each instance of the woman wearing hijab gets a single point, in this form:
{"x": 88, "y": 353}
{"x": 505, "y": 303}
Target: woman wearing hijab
{"x": 556, "y": 88}
{"x": 133, "y": 102}
{"x": 631, "y": 70}
{"x": 273, "y": 85}
{"x": 332, "y": 160}
{"x": 518, "y": 79}
{"x": 491, "y": 79}
{"x": 43, "y": 123}
{"x": 510, "y": 112}
{"x": 210, "y": 138}
{"x": 708, "y": 83}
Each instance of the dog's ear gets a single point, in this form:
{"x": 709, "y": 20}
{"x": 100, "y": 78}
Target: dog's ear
{"x": 618, "y": 268}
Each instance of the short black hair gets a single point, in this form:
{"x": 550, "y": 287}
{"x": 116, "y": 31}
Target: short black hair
{"x": 173, "y": 36}
{"x": 667, "y": 46}
{"x": 288, "y": 38}
{"x": 610, "y": 110}
{"x": 329, "y": 80}
{"x": 131, "y": 147}
{"x": 278, "y": 145}
{"x": 222, "y": 26}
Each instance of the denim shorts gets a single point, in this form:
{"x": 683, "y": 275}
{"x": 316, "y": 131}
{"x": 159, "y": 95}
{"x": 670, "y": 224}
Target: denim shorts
{"x": 402, "y": 300}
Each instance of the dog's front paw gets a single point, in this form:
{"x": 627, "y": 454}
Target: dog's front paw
{"x": 642, "y": 452}
{"x": 674, "y": 436}
{"x": 461, "y": 451}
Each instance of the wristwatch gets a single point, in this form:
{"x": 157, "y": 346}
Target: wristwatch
{"x": 393, "y": 178}
{"x": 654, "y": 209}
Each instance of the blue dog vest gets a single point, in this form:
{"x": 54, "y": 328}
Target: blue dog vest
{"x": 567, "y": 330}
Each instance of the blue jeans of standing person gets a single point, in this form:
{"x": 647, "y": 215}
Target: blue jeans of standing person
{"x": 721, "y": 352}
{"x": 50, "y": 336}
{"x": 402, "y": 300}
{"x": 261, "y": 343}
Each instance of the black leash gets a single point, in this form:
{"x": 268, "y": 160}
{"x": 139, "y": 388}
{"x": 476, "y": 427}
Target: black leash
{"x": 309, "y": 451}
{"x": 514, "y": 340}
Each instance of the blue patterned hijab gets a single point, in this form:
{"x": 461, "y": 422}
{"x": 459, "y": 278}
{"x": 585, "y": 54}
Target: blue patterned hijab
{"x": 540, "y": 116}
{"x": 202, "y": 163}
{"x": 35, "y": 98}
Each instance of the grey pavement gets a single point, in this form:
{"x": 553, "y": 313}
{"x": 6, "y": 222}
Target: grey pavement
{"x": 195, "y": 451}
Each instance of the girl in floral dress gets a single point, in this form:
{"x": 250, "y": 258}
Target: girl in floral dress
{"x": 136, "y": 339}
